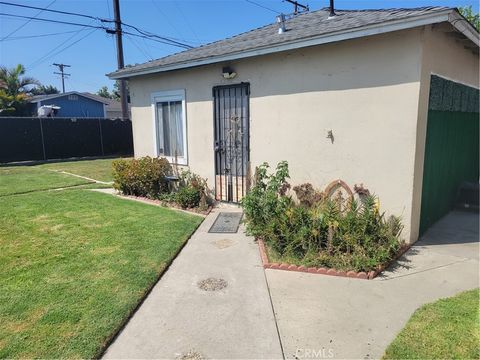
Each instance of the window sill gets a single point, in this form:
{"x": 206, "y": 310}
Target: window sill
{"x": 179, "y": 160}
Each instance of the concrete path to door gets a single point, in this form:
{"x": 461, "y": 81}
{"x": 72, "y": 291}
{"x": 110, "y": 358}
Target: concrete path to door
{"x": 327, "y": 317}
{"x": 178, "y": 318}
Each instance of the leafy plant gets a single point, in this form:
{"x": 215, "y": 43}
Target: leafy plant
{"x": 14, "y": 90}
{"x": 188, "y": 197}
{"x": 471, "y": 16}
{"x": 142, "y": 177}
{"x": 190, "y": 179}
{"x": 332, "y": 232}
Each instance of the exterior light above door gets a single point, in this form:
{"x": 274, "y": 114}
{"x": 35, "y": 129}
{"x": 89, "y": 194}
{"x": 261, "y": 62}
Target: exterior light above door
{"x": 228, "y": 73}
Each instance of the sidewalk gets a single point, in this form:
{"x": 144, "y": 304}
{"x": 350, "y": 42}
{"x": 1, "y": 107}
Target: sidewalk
{"x": 345, "y": 318}
{"x": 178, "y": 317}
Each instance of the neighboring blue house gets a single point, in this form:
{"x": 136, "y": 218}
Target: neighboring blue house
{"x": 72, "y": 104}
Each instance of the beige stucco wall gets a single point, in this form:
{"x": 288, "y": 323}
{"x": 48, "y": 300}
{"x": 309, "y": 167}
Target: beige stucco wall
{"x": 446, "y": 56}
{"x": 366, "y": 91}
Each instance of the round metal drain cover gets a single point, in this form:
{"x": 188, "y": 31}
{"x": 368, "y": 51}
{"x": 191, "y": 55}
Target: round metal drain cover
{"x": 191, "y": 355}
{"x": 212, "y": 284}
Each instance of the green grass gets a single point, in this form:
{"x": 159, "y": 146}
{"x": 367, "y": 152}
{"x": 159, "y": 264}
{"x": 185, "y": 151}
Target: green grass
{"x": 446, "y": 329}
{"x": 74, "y": 264}
{"x": 100, "y": 169}
{"x": 22, "y": 179}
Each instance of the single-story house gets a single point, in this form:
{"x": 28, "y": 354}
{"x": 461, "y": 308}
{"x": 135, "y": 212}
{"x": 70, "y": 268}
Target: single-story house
{"x": 385, "y": 98}
{"x": 72, "y": 104}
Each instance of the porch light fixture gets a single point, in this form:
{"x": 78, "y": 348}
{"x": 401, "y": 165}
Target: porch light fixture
{"x": 228, "y": 73}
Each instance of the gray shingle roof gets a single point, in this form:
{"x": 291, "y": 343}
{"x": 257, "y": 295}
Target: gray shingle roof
{"x": 38, "y": 98}
{"x": 301, "y": 27}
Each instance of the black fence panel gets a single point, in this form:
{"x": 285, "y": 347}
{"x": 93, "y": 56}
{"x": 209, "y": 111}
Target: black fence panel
{"x": 66, "y": 138}
{"x": 20, "y": 139}
{"x": 117, "y": 137}
{"x": 24, "y": 139}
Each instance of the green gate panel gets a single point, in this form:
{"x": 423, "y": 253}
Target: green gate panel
{"x": 451, "y": 157}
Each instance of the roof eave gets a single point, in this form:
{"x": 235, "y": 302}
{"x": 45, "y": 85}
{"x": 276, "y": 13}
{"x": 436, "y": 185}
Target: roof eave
{"x": 448, "y": 15}
{"x": 54, "y": 96}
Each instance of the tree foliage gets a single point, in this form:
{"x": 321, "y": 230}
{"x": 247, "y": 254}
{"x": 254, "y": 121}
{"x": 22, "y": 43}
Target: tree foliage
{"x": 471, "y": 16}
{"x": 104, "y": 92}
{"x": 14, "y": 90}
{"x": 114, "y": 93}
{"x": 44, "y": 90}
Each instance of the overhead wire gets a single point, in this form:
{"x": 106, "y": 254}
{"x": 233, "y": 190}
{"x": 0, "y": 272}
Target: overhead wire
{"x": 186, "y": 20}
{"x": 163, "y": 38}
{"x": 133, "y": 41}
{"x": 53, "y": 52}
{"x": 28, "y": 21}
{"x": 39, "y": 35}
{"x": 146, "y": 33}
{"x": 263, "y": 6}
{"x": 55, "y": 11}
{"x": 53, "y": 21}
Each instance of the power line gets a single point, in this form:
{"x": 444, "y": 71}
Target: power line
{"x": 55, "y": 11}
{"x": 25, "y": 24}
{"x": 39, "y": 35}
{"x": 149, "y": 34}
{"x": 145, "y": 34}
{"x": 54, "y": 21}
{"x": 263, "y": 6}
{"x": 35, "y": 18}
{"x": 157, "y": 40}
{"x": 133, "y": 41}
{"x": 52, "y": 52}
{"x": 186, "y": 20}
{"x": 166, "y": 17}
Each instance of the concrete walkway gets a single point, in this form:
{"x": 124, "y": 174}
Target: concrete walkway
{"x": 328, "y": 317}
{"x": 177, "y": 317}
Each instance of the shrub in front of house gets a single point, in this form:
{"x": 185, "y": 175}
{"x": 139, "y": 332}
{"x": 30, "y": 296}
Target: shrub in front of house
{"x": 192, "y": 191}
{"x": 147, "y": 177}
{"x": 318, "y": 230}
{"x": 187, "y": 197}
{"x": 142, "y": 177}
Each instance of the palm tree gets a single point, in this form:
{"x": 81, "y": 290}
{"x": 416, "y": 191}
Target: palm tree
{"x": 14, "y": 89}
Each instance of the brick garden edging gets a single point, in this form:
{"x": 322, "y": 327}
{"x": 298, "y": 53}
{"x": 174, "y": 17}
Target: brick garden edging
{"x": 325, "y": 271}
{"x": 164, "y": 204}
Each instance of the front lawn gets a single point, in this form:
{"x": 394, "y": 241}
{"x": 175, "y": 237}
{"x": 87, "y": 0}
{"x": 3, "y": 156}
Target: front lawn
{"x": 446, "y": 329}
{"x": 74, "y": 264}
{"x": 23, "y": 179}
{"x": 100, "y": 169}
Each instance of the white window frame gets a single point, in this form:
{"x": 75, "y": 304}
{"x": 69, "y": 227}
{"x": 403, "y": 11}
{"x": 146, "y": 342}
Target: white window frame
{"x": 170, "y": 95}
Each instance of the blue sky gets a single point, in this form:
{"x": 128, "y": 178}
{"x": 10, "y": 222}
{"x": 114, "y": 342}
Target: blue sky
{"x": 91, "y": 53}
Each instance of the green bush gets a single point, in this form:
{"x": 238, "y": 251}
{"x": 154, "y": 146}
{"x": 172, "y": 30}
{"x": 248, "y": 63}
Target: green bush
{"x": 142, "y": 177}
{"x": 191, "y": 180}
{"x": 337, "y": 233}
{"x": 188, "y": 197}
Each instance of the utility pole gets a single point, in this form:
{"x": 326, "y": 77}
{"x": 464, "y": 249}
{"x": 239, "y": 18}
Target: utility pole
{"x": 118, "y": 35}
{"x": 298, "y": 5}
{"x": 62, "y": 74}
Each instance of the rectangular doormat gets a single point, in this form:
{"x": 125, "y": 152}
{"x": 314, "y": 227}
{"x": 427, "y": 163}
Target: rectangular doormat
{"x": 226, "y": 223}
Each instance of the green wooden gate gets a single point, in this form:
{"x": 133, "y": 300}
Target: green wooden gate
{"x": 452, "y": 147}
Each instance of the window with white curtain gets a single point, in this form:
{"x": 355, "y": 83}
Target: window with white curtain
{"x": 170, "y": 125}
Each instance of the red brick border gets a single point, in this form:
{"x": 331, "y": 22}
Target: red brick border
{"x": 325, "y": 271}
{"x": 164, "y": 204}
